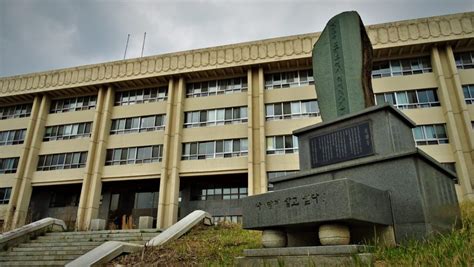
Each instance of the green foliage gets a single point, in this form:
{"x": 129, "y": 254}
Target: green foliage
{"x": 453, "y": 249}
{"x": 203, "y": 245}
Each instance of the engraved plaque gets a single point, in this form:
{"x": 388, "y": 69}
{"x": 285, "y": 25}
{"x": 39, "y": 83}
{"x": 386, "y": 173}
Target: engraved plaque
{"x": 341, "y": 145}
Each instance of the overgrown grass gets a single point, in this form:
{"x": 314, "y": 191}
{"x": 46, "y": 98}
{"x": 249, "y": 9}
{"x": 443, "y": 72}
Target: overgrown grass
{"x": 453, "y": 249}
{"x": 219, "y": 245}
{"x": 203, "y": 245}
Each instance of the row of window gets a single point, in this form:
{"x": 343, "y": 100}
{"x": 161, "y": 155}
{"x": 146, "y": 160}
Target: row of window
{"x": 17, "y": 111}
{"x": 217, "y": 87}
{"x": 220, "y": 193}
{"x": 215, "y": 149}
{"x": 60, "y": 161}
{"x": 397, "y": 67}
{"x": 464, "y": 60}
{"x": 215, "y": 117}
{"x": 288, "y": 79}
{"x": 138, "y": 124}
{"x": 410, "y": 99}
{"x": 282, "y": 144}
{"x": 73, "y": 104}
{"x": 430, "y": 134}
{"x": 67, "y": 131}
{"x": 139, "y": 96}
{"x": 5, "y": 195}
{"x": 8, "y": 165}
{"x": 12, "y": 137}
{"x": 134, "y": 155}
{"x": 290, "y": 110}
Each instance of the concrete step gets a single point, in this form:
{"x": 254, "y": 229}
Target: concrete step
{"x": 107, "y": 232}
{"x": 36, "y": 263}
{"x": 53, "y": 248}
{"x": 129, "y": 235}
{"x": 75, "y": 251}
{"x": 35, "y": 243}
{"x": 39, "y": 258}
{"x": 43, "y": 239}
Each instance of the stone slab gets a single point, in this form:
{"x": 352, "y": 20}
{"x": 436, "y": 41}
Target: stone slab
{"x": 342, "y": 65}
{"x": 360, "y": 259}
{"x": 422, "y": 193}
{"x": 104, "y": 253}
{"x": 145, "y": 222}
{"x": 341, "y": 200}
{"x": 312, "y": 250}
{"x": 30, "y": 231}
{"x": 181, "y": 227}
{"x": 97, "y": 225}
{"x": 375, "y": 131}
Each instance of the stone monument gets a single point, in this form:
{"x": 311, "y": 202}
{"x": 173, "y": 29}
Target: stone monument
{"x": 361, "y": 177}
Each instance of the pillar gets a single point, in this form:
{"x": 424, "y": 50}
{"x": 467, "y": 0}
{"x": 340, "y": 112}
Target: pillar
{"x": 168, "y": 201}
{"x": 455, "y": 112}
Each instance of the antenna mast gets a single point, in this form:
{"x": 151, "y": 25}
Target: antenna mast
{"x": 126, "y": 46}
{"x": 143, "y": 45}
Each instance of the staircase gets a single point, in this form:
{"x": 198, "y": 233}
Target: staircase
{"x": 59, "y": 248}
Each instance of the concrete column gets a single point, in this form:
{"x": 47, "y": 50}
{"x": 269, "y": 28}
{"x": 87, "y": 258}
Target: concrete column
{"x": 18, "y": 209}
{"x": 453, "y": 112}
{"x": 169, "y": 181}
{"x": 92, "y": 184}
{"x": 257, "y": 180}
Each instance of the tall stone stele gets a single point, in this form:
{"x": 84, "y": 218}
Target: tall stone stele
{"x": 342, "y": 63}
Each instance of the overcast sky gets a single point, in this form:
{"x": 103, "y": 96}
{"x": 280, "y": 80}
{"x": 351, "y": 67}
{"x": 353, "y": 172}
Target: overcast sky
{"x": 40, "y": 35}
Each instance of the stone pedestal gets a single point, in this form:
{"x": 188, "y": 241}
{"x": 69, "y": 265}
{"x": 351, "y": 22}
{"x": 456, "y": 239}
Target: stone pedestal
{"x": 97, "y": 225}
{"x": 334, "y": 234}
{"x": 274, "y": 239}
{"x": 145, "y": 222}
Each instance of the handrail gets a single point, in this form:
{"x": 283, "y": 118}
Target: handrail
{"x": 26, "y": 232}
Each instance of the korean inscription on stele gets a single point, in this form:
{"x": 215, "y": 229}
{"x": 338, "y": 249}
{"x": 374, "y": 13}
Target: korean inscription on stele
{"x": 341, "y": 145}
{"x": 292, "y": 201}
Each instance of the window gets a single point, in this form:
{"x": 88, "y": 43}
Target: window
{"x": 73, "y": 104}
{"x": 147, "y": 95}
{"x": 63, "y": 199}
{"x": 134, "y": 155}
{"x": 282, "y": 144}
{"x": 468, "y": 91}
{"x": 289, "y": 79}
{"x": 67, "y": 131}
{"x": 146, "y": 200}
{"x": 8, "y": 165}
{"x": 219, "y": 192}
{"x": 17, "y": 111}
{"x": 401, "y": 67}
{"x": 228, "y": 218}
{"x": 424, "y": 98}
{"x": 430, "y": 134}
{"x": 212, "y": 117}
{"x": 5, "y": 195}
{"x": 72, "y": 160}
{"x": 138, "y": 124}
{"x": 215, "y": 149}
{"x": 12, "y": 137}
{"x": 290, "y": 110}
{"x": 216, "y": 87}
{"x": 464, "y": 60}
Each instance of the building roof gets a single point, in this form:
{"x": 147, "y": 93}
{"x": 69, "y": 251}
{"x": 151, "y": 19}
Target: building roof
{"x": 455, "y": 28}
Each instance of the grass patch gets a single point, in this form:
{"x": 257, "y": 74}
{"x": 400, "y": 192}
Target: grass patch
{"x": 203, "y": 245}
{"x": 452, "y": 249}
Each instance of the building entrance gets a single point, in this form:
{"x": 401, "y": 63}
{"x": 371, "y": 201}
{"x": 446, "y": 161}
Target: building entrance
{"x": 124, "y": 202}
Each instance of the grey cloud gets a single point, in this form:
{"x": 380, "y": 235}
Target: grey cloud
{"x": 49, "y": 34}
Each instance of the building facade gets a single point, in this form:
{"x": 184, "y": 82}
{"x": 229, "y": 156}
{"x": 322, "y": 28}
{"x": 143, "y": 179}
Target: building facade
{"x": 163, "y": 135}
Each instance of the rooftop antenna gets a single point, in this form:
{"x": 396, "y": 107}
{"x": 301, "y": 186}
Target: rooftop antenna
{"x": 126, "y": 46}
{"x": 143, "y": 45}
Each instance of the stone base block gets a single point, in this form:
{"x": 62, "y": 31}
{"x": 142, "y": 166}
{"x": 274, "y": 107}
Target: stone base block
{"x": 350, "y": 255}
{"x": 97, "y": 225}
{"x": 145, "y": 222}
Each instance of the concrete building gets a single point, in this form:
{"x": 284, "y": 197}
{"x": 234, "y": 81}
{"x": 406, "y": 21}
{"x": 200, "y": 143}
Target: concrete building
{"x": 164, "y": 135}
